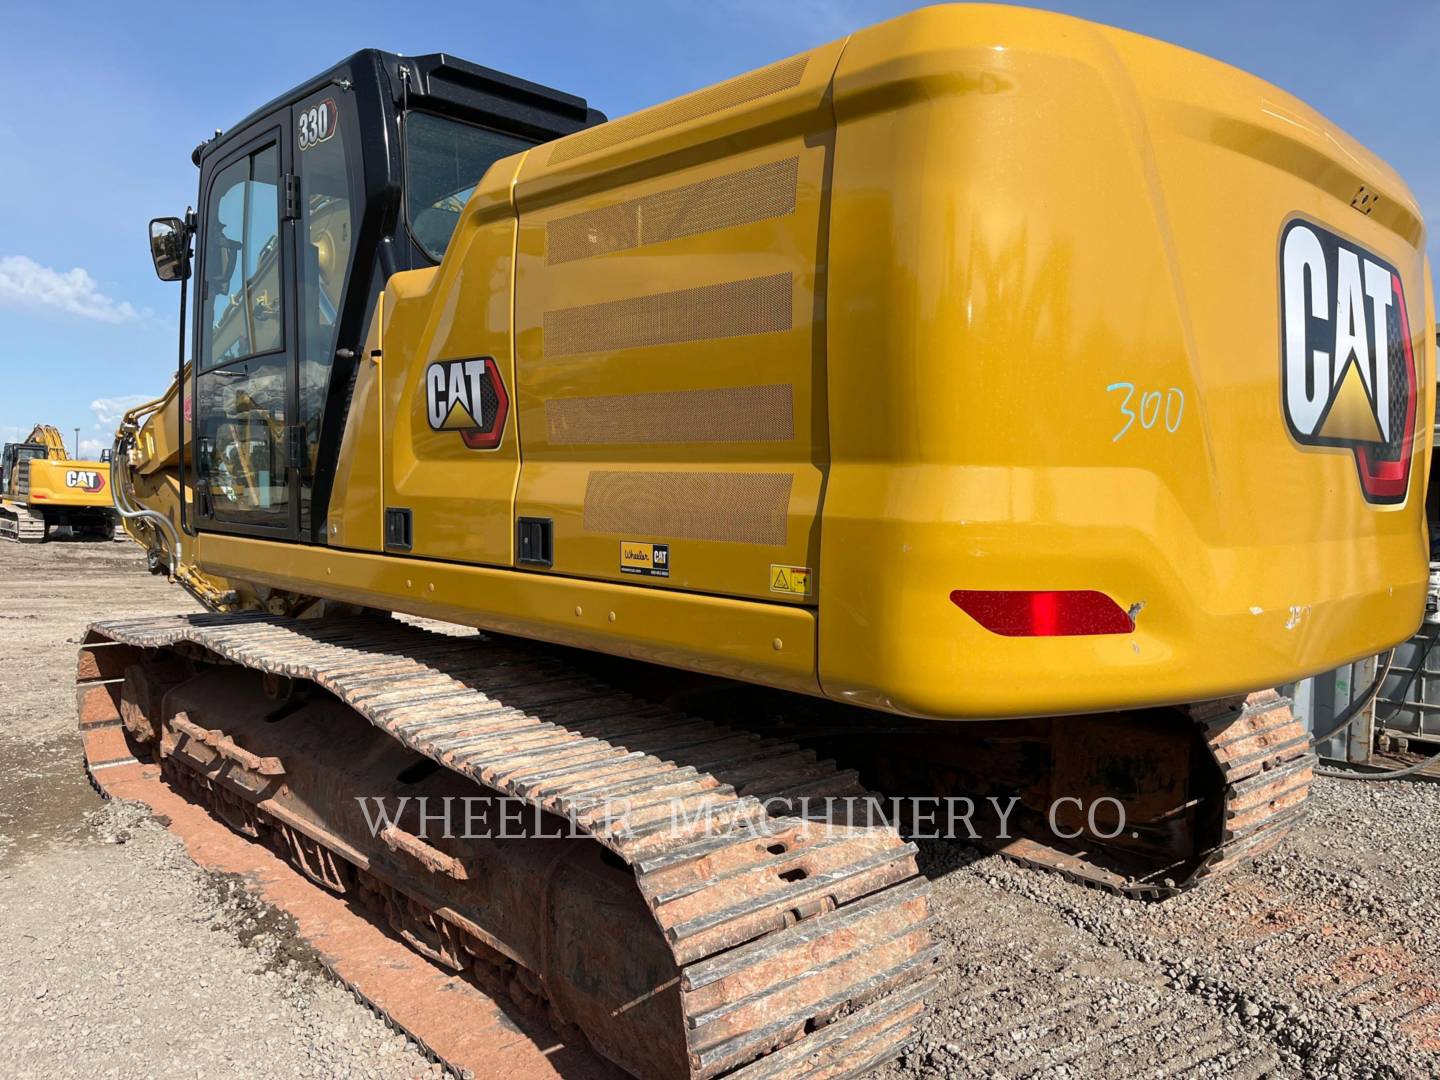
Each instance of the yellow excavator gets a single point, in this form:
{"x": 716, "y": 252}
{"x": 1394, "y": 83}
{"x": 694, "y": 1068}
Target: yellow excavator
{"x": 984, "y": 410}
{"x": 43, "y": 488}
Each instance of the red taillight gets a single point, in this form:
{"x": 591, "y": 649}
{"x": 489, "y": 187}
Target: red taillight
{"x": 1043, "y": 612}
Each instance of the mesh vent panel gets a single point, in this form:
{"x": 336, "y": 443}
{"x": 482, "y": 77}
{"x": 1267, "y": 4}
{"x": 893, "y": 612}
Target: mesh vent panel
{"x": 740, "y": 508}
{"x": 759, "y": 305}
{"x": 729, "y": 414}
{"x": 765, "y": 191}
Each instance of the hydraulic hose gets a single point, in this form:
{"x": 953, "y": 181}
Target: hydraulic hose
{"x": 1351, "y": 711}
{"x": 120, "y": 482}
{"x": 120, "y": 488}
{"x": 1393, "y": 774}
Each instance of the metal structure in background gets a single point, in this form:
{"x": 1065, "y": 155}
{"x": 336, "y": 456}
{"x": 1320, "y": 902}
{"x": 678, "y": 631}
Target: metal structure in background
{"x": 1406, "y": 710}
{"x": 1408, "y": 706}
{"x": 1319, "y": 699}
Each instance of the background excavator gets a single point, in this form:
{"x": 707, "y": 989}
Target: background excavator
{"x": 987, "y": 405}
{"x": 43, "y": 488}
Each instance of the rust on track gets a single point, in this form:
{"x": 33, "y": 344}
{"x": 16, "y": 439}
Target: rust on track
{"x": 772, "y": 946}
{"x": 454, "y": 1022}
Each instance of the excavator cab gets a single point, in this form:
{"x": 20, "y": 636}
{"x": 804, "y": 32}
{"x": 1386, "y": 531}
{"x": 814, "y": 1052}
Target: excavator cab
{"x": 306, "y": 208}
{"x": 13, "y": 454}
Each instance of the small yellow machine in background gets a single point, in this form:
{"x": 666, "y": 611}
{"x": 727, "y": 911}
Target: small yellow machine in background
{"x": 42, "y": 488}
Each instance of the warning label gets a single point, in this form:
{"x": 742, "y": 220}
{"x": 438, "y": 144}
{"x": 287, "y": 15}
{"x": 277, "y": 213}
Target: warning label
{"x": 794, "y": 580}
{"x": 650, "y": 560}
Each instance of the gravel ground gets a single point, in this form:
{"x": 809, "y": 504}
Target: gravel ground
{"x": 119, "y": 958}
{"x": 1319, "y": 961}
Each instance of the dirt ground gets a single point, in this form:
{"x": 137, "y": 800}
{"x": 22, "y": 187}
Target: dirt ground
{"x": 118, "y": 958}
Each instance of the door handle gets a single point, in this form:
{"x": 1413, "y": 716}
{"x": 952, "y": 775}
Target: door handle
{"x": 294, "y": 441}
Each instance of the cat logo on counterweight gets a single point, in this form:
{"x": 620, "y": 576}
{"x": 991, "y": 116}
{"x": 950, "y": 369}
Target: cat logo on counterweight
{"x": 87, "y": 480}
{"x": 1347, "y": 358}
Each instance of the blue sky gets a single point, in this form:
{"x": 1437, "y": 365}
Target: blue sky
{"x": 110, "y": 99}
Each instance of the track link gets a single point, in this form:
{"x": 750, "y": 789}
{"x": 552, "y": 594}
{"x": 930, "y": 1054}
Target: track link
{"x": 1266, "y": 768}
{"x": 1264, "y": 754}
{"x": 801, "y": 948}
{"x": 19, "y": 522}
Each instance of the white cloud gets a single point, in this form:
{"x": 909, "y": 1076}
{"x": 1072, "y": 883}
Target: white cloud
{"x": 90, "y": 448}
{"x": 24, "y": 283}
{"x": 109, "y": 410}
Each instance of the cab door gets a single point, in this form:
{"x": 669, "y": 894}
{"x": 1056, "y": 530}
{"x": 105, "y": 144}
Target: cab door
{"x": 246, "y": 443}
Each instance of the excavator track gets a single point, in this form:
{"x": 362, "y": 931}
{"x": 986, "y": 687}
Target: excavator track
{"x": 1265, "y": 767}
{"x": 1264, "y": 754}
{"x": 699, "y": 927}
{"x": 1199, "y": 788}
{"x": 790, "y": 947}
{"x": 20, "y": 523}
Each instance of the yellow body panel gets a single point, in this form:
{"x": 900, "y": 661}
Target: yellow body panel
{"x": 462, "y": 499}
{"x": 764, "y": 643}
{"x": 1093, "y": 208}
{"x": 354, "y": 519}
{"x": 55, "y": 479}
{"x": 875, "y": 320}
{"x": 66, "y": 483}
{"x": 670, "y": 332}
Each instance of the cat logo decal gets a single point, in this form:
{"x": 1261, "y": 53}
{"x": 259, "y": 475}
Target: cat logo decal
{"x": 467, "y": 397}
{"x": 1347, "y": 358}
{"x": 87, "y": 480}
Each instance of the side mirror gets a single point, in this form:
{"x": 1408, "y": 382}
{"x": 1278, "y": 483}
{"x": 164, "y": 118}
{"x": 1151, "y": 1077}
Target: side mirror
{"x": 170, "y": 248}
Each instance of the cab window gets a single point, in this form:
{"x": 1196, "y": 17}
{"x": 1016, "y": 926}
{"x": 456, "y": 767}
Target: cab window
{"x": 326, "y": 225}
{"x": 325, "y": 254}
{"x": 444, "y": 160}
{"x": 242, "y": 299}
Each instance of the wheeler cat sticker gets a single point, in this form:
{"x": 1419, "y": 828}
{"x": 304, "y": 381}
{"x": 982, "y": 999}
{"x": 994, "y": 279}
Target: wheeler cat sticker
{"x": 644, "y": 558}
{"x": 467, "y": 397}
{"x": 88, "y": 480}
{"x": 1347, "y": 360}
